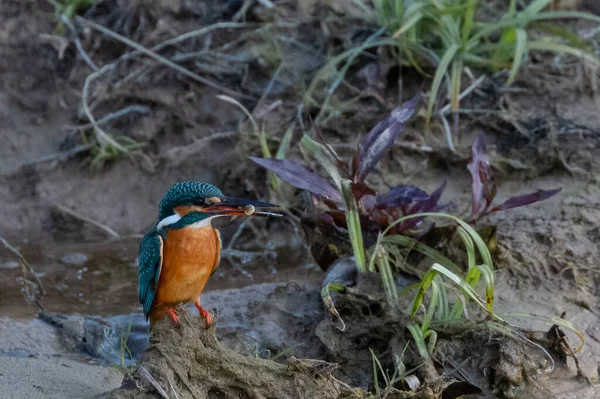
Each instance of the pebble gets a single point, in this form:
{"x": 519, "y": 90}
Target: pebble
{"x": 75, "y": 258}
{"x": 9, "y": 265}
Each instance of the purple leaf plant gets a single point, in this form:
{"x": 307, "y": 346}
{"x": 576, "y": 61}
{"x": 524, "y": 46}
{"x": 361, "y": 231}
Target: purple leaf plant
{"x": 379, "y": 210}
{"x": 485, "y": 186}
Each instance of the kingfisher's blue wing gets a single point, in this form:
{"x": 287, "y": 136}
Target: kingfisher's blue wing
{"x": 150, "y": 264}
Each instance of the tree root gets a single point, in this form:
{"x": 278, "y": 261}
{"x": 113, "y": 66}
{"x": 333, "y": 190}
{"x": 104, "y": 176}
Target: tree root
{"x": 189, "y": 362}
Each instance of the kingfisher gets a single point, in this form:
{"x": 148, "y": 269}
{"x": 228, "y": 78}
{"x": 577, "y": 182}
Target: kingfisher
{"x": 178, "y": 256}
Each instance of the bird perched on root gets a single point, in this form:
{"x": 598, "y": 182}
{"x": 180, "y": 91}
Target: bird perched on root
{"x": 183, "y": 250}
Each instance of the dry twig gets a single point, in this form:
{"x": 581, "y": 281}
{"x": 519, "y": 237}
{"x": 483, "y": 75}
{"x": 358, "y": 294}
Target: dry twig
{"x": 27, "y": 269}
{"x": 76, "y": 215}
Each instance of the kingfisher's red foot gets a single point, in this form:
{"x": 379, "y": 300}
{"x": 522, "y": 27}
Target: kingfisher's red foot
{"x": 173, "y": 315}
{"x": 203, "y": 312}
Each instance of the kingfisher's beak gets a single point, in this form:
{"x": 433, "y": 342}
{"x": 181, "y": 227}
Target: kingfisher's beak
{"x": 239, "y": 207}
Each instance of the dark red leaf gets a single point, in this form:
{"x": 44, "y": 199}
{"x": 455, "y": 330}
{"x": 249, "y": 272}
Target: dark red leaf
{"x": 300, "y": 176}
{"x": 526, "y": 199}
{"x": 382, "y": 137}
{"x": 361, "y": 189}
{"x": 401, "y": 195}
{"x": 484, "y": 185}
{"x": 430, "y": 205}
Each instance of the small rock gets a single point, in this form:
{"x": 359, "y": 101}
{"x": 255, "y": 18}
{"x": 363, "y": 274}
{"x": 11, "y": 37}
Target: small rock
{"x": 75, "y": 258}
{"x": 9, "y": 265}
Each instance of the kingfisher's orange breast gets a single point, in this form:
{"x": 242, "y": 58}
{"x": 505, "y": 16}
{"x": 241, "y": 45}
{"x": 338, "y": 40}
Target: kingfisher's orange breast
{"x": 190, "y": 256}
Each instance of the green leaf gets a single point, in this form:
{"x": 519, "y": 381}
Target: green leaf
{"x": 432, "y": 341}
{"x": 468, "y": 19}
{"x": 412, "y": 21}
{"x": 440, "y": 72}
{"x": 284, "y": 146}
{"x": 353, "y": 224}
{"x": 324, "y": 158}
{"x": 488, "y": 277}
{"x": 479, "y": 243}
{"x": 462, "y": 284}
{"x": 432, "y": 306}
{"x": 469, "y": 247}
{"x": 387, "y": 277}
{"x": 520, "y": 50}
{"x": 563, "y": 49}
{"x": 536, "y": 6}
{"x": 425, "y": 249}
{"x": 457, "y": 67}
{"x": 551, "y": 15}
{"x": 417, "y": 335}
{"x": 425, "y": 283}
{"x": 328, "y": 301}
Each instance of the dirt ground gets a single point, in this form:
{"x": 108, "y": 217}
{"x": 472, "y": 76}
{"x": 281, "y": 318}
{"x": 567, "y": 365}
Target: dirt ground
{"x": 60, "y": 198}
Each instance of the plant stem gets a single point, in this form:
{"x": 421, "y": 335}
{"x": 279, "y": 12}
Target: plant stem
{"x": 354, "y": 229}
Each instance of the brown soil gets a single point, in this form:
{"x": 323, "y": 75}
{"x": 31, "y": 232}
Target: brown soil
{"x": 546, "y": 135}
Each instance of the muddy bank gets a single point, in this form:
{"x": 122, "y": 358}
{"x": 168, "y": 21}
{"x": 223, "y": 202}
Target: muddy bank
{"x": 262, "y": 320}
{"x": 60, "y": 199}
{"x": 192, "y": 362}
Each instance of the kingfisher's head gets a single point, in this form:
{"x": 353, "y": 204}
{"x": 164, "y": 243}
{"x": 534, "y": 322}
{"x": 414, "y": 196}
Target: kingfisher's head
{"x": 196, "y": 201}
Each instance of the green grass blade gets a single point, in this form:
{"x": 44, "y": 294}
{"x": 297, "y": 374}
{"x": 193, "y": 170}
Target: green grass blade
{"x": 437, "y": 79}
{"x": 467, "y": 289}
{"x": 473, "y": 277}
{"x": 425, "y": 249}
{"x": 328, "y": 301}
{"x": 417, "y": 335}
{"x": 468, "y": 19}
{"x": 353, "y": 224}
{"x": 443, "y": 304}
{"x": 409, "y": 289}
{"x": 375, "y": 362}
{"x": 455, "y": 83}
{"x": 377, "y": 365}
{"x": 412, "y": 21}
{"x": 387, "y": 277}
{"x": 535, "y": 7}
{"x": 520, "y": 50}
{"x": 324, "y": 158}
{"x": 469, "y": 247}
{"x": 558, "y": 31}
{"x": 284, "y": 146}
{"x": 431, "y": 342}
{"x": 431, "y": 307}
{"x": 512, "y": 9}
{"x": 563, "y": 49}
{"x": 551, "y": 15}
{"x": 488, "y": 277}
{"x": 425, "y": 283}
{"x": 481, "y": 247}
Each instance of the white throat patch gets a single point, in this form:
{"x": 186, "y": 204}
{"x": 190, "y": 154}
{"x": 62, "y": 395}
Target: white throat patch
{"x": 169, "y": 220}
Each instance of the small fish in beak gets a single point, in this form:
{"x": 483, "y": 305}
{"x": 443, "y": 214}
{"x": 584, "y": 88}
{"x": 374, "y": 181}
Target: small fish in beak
{"x": 239, "y": 207}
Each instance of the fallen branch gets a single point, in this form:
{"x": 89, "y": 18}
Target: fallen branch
{"x": 142, "y": 109}
{"x": 76, "y": 215}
